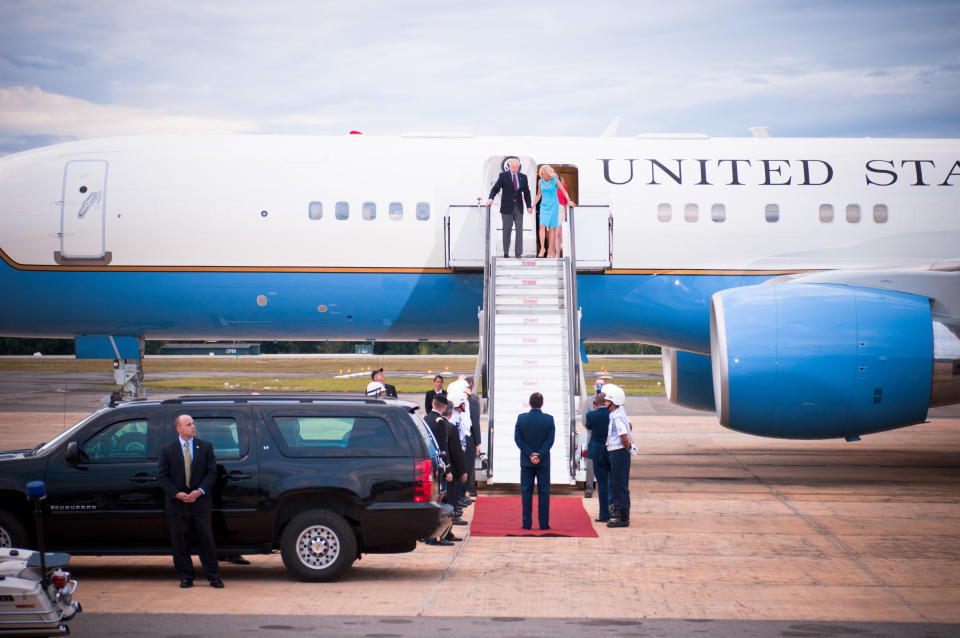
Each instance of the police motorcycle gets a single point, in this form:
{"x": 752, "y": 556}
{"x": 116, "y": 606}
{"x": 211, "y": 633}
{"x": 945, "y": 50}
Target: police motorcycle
{"x": 36, "y": 591}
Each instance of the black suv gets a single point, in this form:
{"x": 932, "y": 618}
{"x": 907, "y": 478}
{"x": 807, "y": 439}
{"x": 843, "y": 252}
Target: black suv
{"x": 322, "y": 478}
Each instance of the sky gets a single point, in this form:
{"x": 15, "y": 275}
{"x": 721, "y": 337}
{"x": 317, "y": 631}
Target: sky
{"x": 94, "y": 68}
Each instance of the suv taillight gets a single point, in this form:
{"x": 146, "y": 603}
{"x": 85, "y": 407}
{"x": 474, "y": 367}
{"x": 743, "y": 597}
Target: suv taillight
{"x": 422, "y": 481}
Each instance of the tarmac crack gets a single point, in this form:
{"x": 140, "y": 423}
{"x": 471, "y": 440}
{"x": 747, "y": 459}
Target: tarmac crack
{"x": 836, "y": 542}
{"x": 432, "y": 594}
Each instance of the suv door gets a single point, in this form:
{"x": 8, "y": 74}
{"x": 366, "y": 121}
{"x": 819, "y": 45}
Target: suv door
{"x": 235, "y": 497}
{"x": 110, "y": 496}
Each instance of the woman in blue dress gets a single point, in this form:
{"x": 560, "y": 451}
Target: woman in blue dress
{"x": 549, "y": 208}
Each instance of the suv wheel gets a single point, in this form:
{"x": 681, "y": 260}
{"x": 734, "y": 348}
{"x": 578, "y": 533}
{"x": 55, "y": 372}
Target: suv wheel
{"x": 12, "y": 532}
{"x": 318, "y": 545}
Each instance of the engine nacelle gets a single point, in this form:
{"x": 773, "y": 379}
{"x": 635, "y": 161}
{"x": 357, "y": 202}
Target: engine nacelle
{"x": 688, "y": 379}
{"x": 814, "y": 361}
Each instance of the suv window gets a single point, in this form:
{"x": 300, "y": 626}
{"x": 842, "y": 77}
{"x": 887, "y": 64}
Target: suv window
{"x": 313, "y": 433}
{"x": 123, "y": 441}
{"x": 223, "y": 433}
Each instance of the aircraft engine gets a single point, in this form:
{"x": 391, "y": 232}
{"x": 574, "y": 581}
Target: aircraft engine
{"x": 688, "y": 379}
{"x": 814, "y": 361}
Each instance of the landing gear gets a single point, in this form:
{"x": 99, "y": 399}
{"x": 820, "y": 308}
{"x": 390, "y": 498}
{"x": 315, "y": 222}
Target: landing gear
{"x": 128, "y": 375}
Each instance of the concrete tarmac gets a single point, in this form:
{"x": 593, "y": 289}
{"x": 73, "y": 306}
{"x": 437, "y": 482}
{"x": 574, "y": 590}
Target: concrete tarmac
{"x": 730, "y": 535}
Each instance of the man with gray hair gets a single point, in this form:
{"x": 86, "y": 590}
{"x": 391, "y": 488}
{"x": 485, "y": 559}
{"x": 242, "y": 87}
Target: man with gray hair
{"x": 516, "y": 191}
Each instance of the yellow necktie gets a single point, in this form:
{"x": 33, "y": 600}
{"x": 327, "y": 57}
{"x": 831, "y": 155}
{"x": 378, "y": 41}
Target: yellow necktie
{"x": 186, "y": 462}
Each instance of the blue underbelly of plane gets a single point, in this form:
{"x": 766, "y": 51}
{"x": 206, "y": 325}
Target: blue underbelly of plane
{"x": 672, "y": 310}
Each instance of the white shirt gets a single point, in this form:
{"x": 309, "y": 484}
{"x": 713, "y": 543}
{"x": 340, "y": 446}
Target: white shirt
{"x": 619, "y": 424}
{"x": 462, "y": 422}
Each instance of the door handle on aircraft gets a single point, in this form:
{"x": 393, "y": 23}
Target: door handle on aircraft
{"x": 237, "y": 475}
{"x": 142, "y": 477}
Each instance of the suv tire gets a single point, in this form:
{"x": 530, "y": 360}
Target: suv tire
{"x": 318, "y": 545}
{"x": 12, "y": 531}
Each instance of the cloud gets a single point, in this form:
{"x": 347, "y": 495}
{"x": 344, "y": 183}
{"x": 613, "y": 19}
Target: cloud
{"x": 33, "y": 111}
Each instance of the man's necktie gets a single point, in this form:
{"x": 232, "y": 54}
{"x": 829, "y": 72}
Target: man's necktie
{"x": 516, "y": 186}
{"x": 186, "y": 462}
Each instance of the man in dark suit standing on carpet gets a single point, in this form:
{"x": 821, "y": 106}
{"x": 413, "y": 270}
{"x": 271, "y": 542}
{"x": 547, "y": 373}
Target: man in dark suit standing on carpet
{"x": 534, "y": 434}
{"x": 187, "y": 472}
{"x": 516, "y": 191}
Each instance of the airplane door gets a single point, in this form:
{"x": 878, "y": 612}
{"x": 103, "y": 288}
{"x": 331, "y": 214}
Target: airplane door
{"x": 83, "y": 209}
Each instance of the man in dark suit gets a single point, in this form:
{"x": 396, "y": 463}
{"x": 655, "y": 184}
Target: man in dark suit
{"x": 442, "y": 431}
{"x": 534, "y": 434}
{"x": 516, "y": 191}
{"x": 187, "y": 472}
{"x": 473, "y": 439}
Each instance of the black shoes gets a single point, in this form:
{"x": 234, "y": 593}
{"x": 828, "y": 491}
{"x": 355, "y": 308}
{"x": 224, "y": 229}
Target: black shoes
{"x": 459, "y": 521}
{"x": 588, "y": 494}
{"x": 620, "y": 518}
{"x": 216, "y": 583}
{"x": 441, "y": 543}
{"x": 186, "y": 583}
{"x": 601, "y": 520}
{"x": 235, "y": 559}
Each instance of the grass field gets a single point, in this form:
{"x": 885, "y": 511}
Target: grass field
{"x": 268, "y": 365}
{"x": 271, "y": 372}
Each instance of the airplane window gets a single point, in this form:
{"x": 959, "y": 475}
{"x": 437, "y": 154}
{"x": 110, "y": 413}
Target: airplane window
{"x": 772, "y": 213}
{"x": 691, "y": 212}
{"x": 664, "y": 212}
{"x": 853, "y": 213}
{"x": 316, "y": 210}
{"x": 880, "y": 214}
{"x": 369, "y": 210}
{"x": 423, "y": 211}
{"x": 396, "y": 211}
{"x": 826, "y": 213}
{"x": 341, "y": 210}
{"x": 718, "y": 212}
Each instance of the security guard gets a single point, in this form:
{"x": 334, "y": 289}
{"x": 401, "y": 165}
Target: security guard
{"x": 619, "y": 448}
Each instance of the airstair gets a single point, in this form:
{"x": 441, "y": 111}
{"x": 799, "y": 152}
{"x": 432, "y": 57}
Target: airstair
{"x": 533, "y": 340}
{"x": 529, "y": 328}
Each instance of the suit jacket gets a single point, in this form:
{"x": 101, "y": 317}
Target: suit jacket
{"x": 598, "y": 422}
{"x": 439, "y": 431}
{"x": 474, "y": 403}
{"x": 534, "y": 432}
{"x": 172, "y": 477}
{"x": 428, "y": 399}
{"x": 511, "y": 196}
{"x": 458, "y": 464}
{"x": 448, "y": 438}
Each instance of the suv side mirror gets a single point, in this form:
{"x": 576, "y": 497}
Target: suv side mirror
{"x": 73, "y": 453}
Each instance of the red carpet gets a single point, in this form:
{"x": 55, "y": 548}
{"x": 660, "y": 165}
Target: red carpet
{"x": 500, "y": 516}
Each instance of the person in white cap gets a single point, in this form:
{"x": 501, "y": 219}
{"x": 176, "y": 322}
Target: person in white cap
{"x": 619, "y": 448}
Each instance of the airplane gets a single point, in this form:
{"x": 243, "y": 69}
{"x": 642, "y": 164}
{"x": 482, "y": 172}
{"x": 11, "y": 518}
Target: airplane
{"x": 801, "y": 288}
